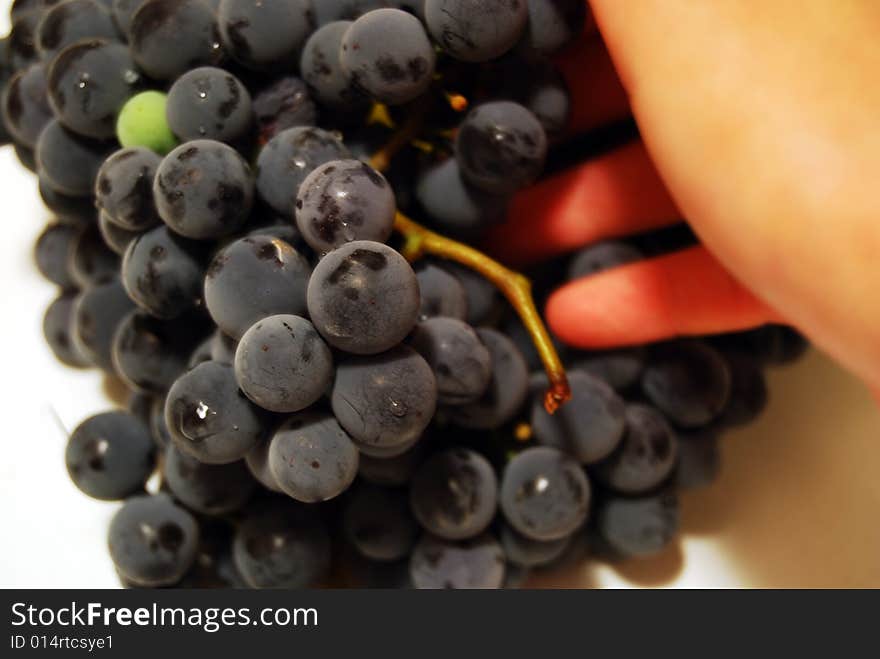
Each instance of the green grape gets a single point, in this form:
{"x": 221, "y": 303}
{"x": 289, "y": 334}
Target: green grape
{"x": 142, "y": 122}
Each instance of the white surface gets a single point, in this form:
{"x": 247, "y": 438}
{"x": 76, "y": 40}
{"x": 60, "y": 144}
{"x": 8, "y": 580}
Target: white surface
{"x": 798, "y": 503}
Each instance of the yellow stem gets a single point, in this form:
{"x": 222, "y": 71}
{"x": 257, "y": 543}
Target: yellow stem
{"x": 419, "y": 241}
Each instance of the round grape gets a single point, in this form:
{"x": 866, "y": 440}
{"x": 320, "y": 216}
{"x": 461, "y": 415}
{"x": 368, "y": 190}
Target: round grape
{"x": 476, "y": 30}
{"x": 501, "y": 147}
{"x": 454, "y": 494}
{"x": 343, "y": 201}
{"x": 124, "y": 188}
{"x": 116, "y": 238}
{"x": 163, "y": 273}
{"x": 363, "y": 298}
{"x": 203, "y": 190}
{"x": 96, "y": 315}
{"x": 51, "y": 254}
{"x": 545, "y": 494}
{"x": 152, "y": 541}
{"x": 647, "y": 455}
{"x": 265, "y": 35}
{"x": 110, "y": 456}
{"x": 285, "y": 103}
{"x": 283, "y": 365}
{"x": 639, "y": 527}
{"x": 89, "y": 83}
{"x": 26, "y": 109}
{"x": 169, "y": 37}
{"x": 209, "y": 104}
{"x": 392, "y": 70}
{"x": 142, "y": 123}
{"x": 442, "y": 293}
{"x": 68, "y": 162}
{"x": 209, "y": 418}
{"x": 385, "y": 401}
{"x": 525, "y": 552}
{"x": 90, "y": 261}
{"x": 602, "y": 256}
{"x": 254, "y": 278}
{"x": 689, "y": 382}
{"x": 71, "y": 21}
{"x": 589, "y": 427}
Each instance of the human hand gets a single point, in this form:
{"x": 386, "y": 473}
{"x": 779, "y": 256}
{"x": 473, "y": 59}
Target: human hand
{"x": 759, "y": 126}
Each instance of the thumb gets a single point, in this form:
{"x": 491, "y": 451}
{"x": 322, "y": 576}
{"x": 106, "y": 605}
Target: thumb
{"x": 761, "y": 119}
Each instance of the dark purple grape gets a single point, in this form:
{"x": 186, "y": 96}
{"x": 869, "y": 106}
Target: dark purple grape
{"x": 501, "y": 147}
{"x": 321, "y": 68}
{"x": 90, "y": 261}
{"x": 343, "y": 201}
{"x": 52, "y": 254}
{"x": 110, "y": 456}
{"x": 553, "y": 24}
{"x": 477, "y": 563}
{"x": 442, "y": 293}
{"x": 207, "y": 489}
{"x": 209, "y": 104}
{"x": 140, "y": 406}
{"x": 647, "y": 455}
{"x": 589, "y": 427}
{"x": 363, "y": 298}
{"x": 152, "y": 541}
{"x": 378, "y": 523}
{"x": 89, "y": 82}
{"x": 209, "y": 418}
{"x": 461, "y": 362}
{"x": 265, "y": 35}
{"x": 384, "y": 401}
{"x": 21, "y": 7}
{"x": 158, "y": 428}
{"x": 26, "y": 108}
{"x": 285, "y": 103}
{"x": 688, "y": 381}
{"x": 70, "y": 21}
{"x": 476, "y": 30}
{"x": 170, "y": 37}
{"x": 204, "y": 190}
{"x": 283, "y": 365}
{"x": 149, "y": 354}
{"x": 163, "y": 273}
{"x": 507, "y": 390}
{"x": 393, "y": 70}
{"x": 288, "y": 158}
{"x": 454, "y": 494}
{"x": 69, "y": 163}
{"x": 454, "y": 206}
{"x": 311, "y": 457}
{"x": 124, "y": 188}
{"x": 639, "y": 527}
{"x": 78, "y": 211}
{"x": 254, "y": 278}
{"x": 116, "y": 238}
{"x": 58, "y": 328}
{"x": 283, "y": 544}
{"x": 544, "y": 494}
{"x": 484, "y": 302}
{"x": 602, "y": 256}
{"x": 96, "y": 315}
{"x": 525, "y": 552}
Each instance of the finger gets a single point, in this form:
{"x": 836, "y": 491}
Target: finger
{"x": 596, "y": 93}
{"x": 617, "y": 194}
{"x": 685, "y": 293}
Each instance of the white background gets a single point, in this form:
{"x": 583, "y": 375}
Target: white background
{"x": 798, "y": 503}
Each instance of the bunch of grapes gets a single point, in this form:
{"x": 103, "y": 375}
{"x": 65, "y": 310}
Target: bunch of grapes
{"x": 264, "y": 220}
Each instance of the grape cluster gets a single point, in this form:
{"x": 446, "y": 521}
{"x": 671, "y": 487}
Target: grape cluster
{"x": 313, "y": 403}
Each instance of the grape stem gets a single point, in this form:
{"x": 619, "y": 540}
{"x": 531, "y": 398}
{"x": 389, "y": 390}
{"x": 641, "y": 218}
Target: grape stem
{"x": 419, "y": 241}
